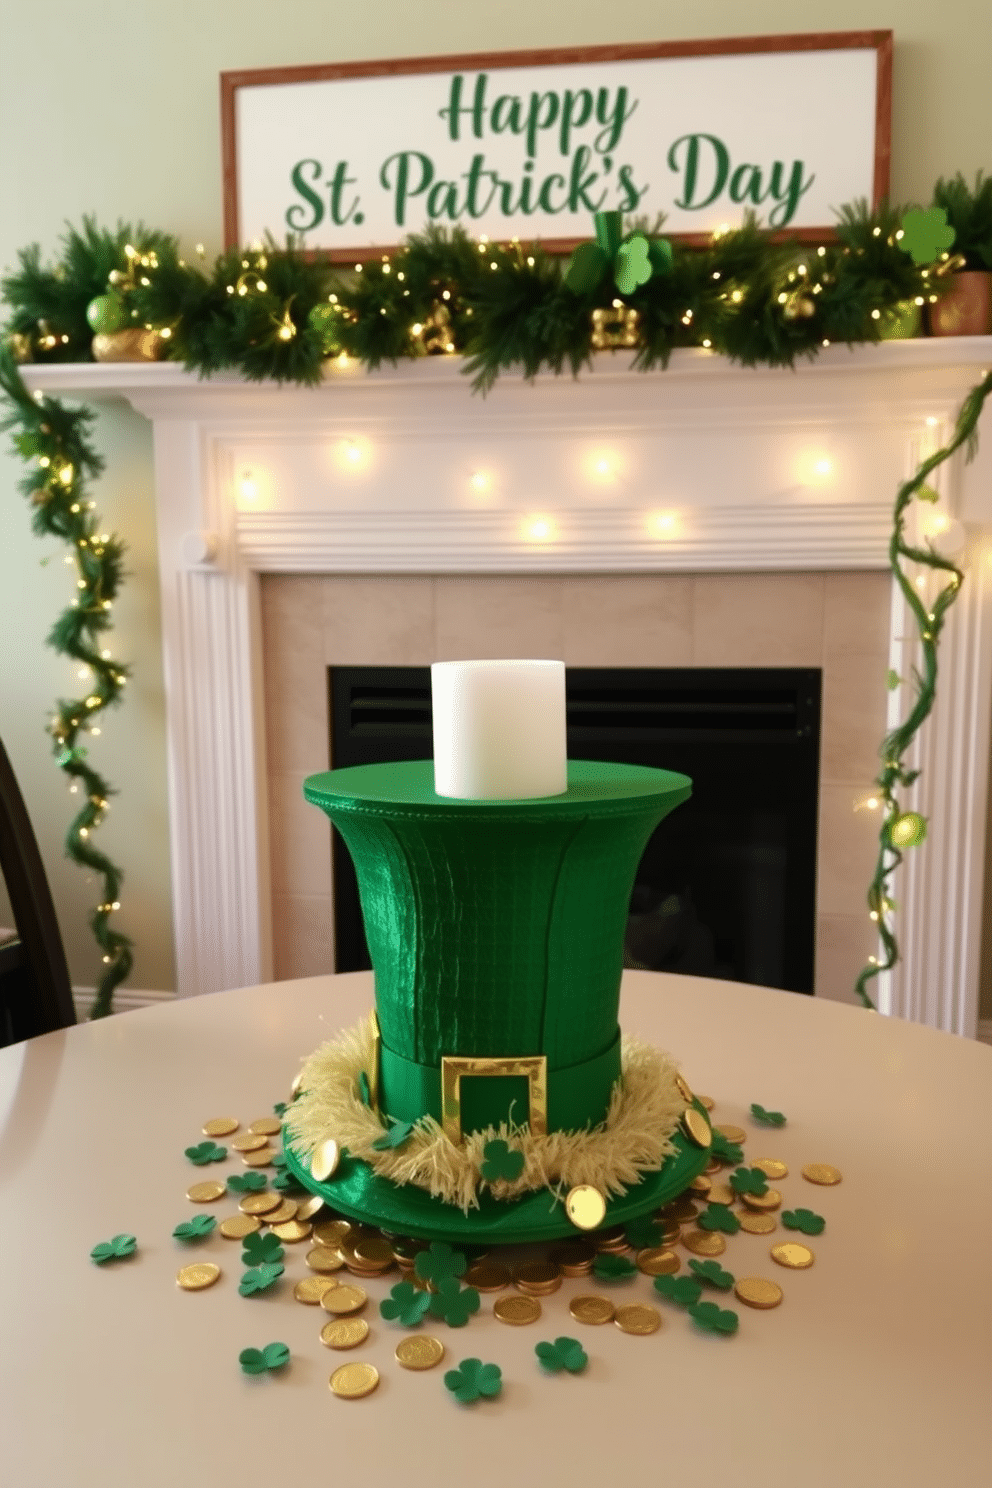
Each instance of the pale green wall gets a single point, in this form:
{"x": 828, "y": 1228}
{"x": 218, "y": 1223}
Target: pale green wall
{"x": 111, "y": 107}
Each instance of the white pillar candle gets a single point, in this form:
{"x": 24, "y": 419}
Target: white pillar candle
{"x": 499, "y": 729}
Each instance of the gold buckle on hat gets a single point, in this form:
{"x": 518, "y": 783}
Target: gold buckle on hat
{"x": 453, "y": 1069}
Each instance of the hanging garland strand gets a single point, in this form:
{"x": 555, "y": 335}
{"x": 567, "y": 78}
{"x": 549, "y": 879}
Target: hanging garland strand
{"x": 904, "y": 829}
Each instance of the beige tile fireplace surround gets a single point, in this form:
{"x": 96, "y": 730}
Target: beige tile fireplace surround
{"x": 837, "y": 621}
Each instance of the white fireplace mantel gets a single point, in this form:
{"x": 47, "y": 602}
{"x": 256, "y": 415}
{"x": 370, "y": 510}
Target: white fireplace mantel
{"x": 701, "y": 467}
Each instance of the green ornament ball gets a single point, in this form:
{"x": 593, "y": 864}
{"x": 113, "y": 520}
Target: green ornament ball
{"x": 107, "y": 314}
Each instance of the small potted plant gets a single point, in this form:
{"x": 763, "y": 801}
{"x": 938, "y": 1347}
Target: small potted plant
{"x": 966, "y": 308}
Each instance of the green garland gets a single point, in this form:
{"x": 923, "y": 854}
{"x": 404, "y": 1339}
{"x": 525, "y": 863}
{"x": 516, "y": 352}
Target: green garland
{"x": 275, "y": 314}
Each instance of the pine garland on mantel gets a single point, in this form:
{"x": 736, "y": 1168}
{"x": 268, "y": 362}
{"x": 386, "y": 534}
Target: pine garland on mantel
{"x": 278, "y": 314}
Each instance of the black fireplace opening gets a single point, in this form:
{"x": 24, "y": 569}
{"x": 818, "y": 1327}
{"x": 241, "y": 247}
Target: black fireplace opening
{"x": 727, "y": 884}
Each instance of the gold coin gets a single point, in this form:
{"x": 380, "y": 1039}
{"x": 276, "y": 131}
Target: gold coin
{"x": 700, "y": 1185}
{"x": 713, "y": 1166}
{"x": 205, "y": 1193}
{"x": 683, "y": 1089}
{"x": 771, "y": 1167}
{"x": 704, "y": 1242}
{"x": 772, "y": 1199}
{"x": 756, "y": 1224}
{"x": 240, "y": 1225}
{"x": 790, "y": 1253}
{"x": 267, "y": 1125}
{"x": 755, "y": 1291}
{"x": 678, "y": 1211}
{"x": 201, "y": 1274}
{"x": 573, "y": 1253}
{"x": 259, "y": 1159}
{"x": 249, "y": 1142}
{"x": 352, "y": 1381}
{"x": 260, "y": 1203}
{"x": 658, "y": 1260}
{"x": 220, "y": 1126}
{"x": 312, "y": 1288}
{"x": 322, "y": 1258}
{"x": 342, "y": 1300}
{"x": 592, "y": 1309}
{"x": 538, "y": 1278}
{"x": 344, "y": 1333}
{"x": 732, "y": 1133}
{"x": 722, "y": 1193}
{"x": 292, "y": 1231}
{"x": 488, "y": 1276}
{"x": 696, "y": 1127}
{"x": 637, "y": 1317}
{"x": 707, "y": 1101}
{"x": 821, "y": 1173}
{"x": 585, "y": 1207}
{"x": 307, "y": 1208}
{"x": 325, "y": 1160}
{"x": 374, "y": 1252}
{"x": 332, "y": 1231}
{"x": 517, "y": 1310}
{"x": 285, "y": 1211}
{"x": 419, "y": 1351}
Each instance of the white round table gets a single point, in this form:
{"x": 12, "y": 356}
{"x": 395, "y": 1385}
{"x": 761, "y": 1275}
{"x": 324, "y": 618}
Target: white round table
{"x": 876, "y": 1369}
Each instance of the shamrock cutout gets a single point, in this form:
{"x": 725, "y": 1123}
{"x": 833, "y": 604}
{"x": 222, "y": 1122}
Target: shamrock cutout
{"x": 498, "y": 1161}
{"x": 257, "y": 1361}
{"x": 683, "y": 1290}
{"x": 395, "y": 1137}
{"x": 713, "y": 1273}
{"x": 260, "y": 1278}
{"x": 719, "y": 1217}
{"x": 749, "y": 1181}
{"x": 406, "y": 1304}
{"x": 771, "y": 1118}
{"x": 643, "y": 1232}
{"x": 613, "y": 1268}
{"x": 633, "y": 266}
{"x": 805, "y": 1220}
{"x": 724, "y": 1151}
{"x": 117, "y": 1249}
{"x": 206, "y": 1152}
{"x": 473, "y": 1379}
{"x": 287, "y": 1183}
{"x": 439, "y": 1263}
{"x": 251, "y": 1182}
{"x": 258, "y": 1248}
{"x": 564, "y": 1353}
{"x": 197, "y": 1228}
{"x": 278, "y": 1160}
{"x": 714, "y": 1319}
{"x": 454, "y": 1303}
{"x": 633, "y": 259}
{"x": 364, "y": 1091}
{"x": 925, "y": 235}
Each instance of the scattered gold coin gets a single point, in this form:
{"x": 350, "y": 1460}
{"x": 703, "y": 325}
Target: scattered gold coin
{"x": 240, "y": 1225}
{"x": 220, "y": 1126}
{"x": 344, "y": 1333}
{"x": 704, "y": 1242}
{"x": 332, "y": 1231}
{"x": 517, "y": 1310}
{"x": 249, "y": 1142}
{"x": 352, "y": 1381}
{"x": 700, "y": 1185}
{"x": 201, "y": 1274}
{"x": 755, "y": 1291}
{"x": 285, "y": 1211}
{"x": 756, "y": 1224}
{"x": 772, "y": 1167}
{"x": 637, "y": 1317}
{"x": 488, "y": 1276}
{"x": 585, "y": 1207}
{"x": 771, "y": 1199}
{"x": 267, "y": 1125}
{"x": 538, "y": 1278}
{"x": 342, "y": 1300}
{"x": 373, "y": 1251}
{"x": 683, "y": 1088}
{"x": 260, "y": 1203}
{"x": 821, "y": 1173}
{"x": 722, "y": 1193}
{"x": 259, "y": 1159}
{"x": 325, "y": 1160}
{"x": 732, "y": 1133}
{"x": 205, "y": 1193}
{"x": 292, "y": 1231}
{"x": 707, "y": 1101}
{"x": 307, "y": 1208}
{"x": 791, "y": 1253}
{"x": 678, "y": 1211}
{"x": 592, "y": 1309}
{"x": 658, "y": 1260}
{"x": 419, "y": 1351}
{"x": 696, "y": 1127}
{"x": 322, "y": 1258}
{"x": 312, "y": 1288}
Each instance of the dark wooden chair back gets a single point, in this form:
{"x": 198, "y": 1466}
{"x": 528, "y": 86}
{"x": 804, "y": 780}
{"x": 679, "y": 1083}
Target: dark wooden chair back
{"x": 35, "y": 992}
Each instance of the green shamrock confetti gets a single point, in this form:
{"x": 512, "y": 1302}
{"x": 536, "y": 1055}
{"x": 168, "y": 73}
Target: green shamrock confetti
{"x": 683, "y": 1290}
{"x": 773, "y": 1118}
{"x": 719, "y": 1217}
{"x": 712, "y": 1273}
{"x": 925, "y": 234}
{"x": 613, "y": 1268}
{"x": 714, "y": 1319}
{"x": 406, "y": 1304}
{"x": 749, "y": 1181}
{"x": 117, "y": 1249}
{"x": 725, "y": 1151}
{"x": 259, "y": 1248}
{"x": 197, "y": 1228}
{"x": 498, "y": 1161}
{"x": 257, "y": 1361}
{"x": 278, "y": 1160}
{"x": 564, "y": 1353}
{"x": 644, "y": 1232}
{"x": 206, "y": 1152}
{"x": 805, "y": 1220}
{"x": 364, "y": 1090}
{"x": 454, "y": 1303}
{"x": 473, "y": 1379}
{"x": 439, "y": 1263}
{"x": 287, "y": 1183}
{"x": 259, "y": 1279}
{"x": 250, "y": 1182}
{"x": 394, "y": 1137}
{"x": 280, "y": 1108}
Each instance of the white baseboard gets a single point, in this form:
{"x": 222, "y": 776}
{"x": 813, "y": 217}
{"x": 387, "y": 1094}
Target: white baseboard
{"x": 125, "y": 1000}
{"x": 984, "y": 1031}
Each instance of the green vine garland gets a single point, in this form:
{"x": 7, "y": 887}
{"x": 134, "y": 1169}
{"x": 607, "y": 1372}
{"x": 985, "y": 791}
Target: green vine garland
{"x": 272, "y": 313}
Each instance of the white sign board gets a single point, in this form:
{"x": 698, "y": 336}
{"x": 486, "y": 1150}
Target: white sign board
{"x": 352, "y": 159}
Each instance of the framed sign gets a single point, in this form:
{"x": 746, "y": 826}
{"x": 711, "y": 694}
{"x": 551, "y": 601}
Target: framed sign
{"x": 353, "y": 157}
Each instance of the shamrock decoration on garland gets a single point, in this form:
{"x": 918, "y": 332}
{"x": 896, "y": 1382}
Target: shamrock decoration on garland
{"x": 713, "y": 1319}
{"x": 440, "y": 1263}
{"x": 259, "y": 1279}
{"x": 406, "y": 1305}
{"x": 766, "y": 1118}
{"x": 926, "y": 235}
{"x": 197, "y": 1228}
{"x": 613, "y": 1268}
{"x": 564, "y": 1353}
{"x": 452, "y": 1302}
{"x": 749, "y": 1181}
{"x": 258, "y": 1248}
{"x": 251, "y": 1182}
{"x": 805, "y": 1220}
{"x": 633, "y": 259}
{"x": 117, "y": 1249}
{"x": 473, "y": 1379}
{"x": 206, "y": 1152}
{"x": 682, "y": 1290}
{"x": 500, "y": 1163}
{"x": 395, "y": 1137}
{"x": 258, "y": 1361}
{"x": 712, "y": 1273}
{"x": 719, "y": 1217}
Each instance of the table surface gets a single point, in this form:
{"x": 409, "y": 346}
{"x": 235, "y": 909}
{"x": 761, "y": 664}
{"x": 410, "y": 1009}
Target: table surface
{"x": 877, "y": 1368}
